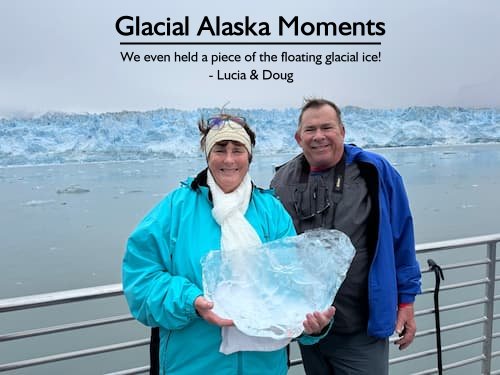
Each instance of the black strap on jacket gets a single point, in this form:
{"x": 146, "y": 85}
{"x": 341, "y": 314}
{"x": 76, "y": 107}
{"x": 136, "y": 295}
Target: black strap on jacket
{"x": 154, "y": 352}
{"x": 338, "y": 180}
{"x": 338, "y": 186}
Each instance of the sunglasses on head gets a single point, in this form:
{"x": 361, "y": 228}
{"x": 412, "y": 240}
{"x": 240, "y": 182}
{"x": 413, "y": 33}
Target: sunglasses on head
{"x": 219, "y": 121}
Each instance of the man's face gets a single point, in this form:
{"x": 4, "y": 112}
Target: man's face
{"x": 321, "y": 136}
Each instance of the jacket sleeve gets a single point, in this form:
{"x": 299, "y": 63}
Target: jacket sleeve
{"x": 305, "y": 339}
{"x": 155, "y": 296}
{"x": 407, "y": 268}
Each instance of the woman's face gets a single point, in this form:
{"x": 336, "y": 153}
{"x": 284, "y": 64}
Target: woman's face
{"x": 228, "y": 162}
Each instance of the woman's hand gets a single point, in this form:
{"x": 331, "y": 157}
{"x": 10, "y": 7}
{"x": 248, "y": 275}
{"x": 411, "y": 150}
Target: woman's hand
{"x": 204, "y": 309}
{"x": 317, "y": 321}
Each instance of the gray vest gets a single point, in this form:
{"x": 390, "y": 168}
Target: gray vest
{"x": 310, "y": 200}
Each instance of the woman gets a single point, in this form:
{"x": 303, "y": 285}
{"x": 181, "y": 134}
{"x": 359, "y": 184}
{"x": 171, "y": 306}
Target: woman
{"x": 218, "y": 209}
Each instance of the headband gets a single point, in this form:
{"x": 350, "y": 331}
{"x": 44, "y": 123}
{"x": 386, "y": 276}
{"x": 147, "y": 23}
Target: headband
{"x": 229, "y": 131}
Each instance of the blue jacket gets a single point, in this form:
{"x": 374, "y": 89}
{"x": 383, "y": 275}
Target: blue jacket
{"x": 162, "y": 278}
{"x": 394, "y": 274}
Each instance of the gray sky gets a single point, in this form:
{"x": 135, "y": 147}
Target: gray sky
{"x": 65, "y": 56}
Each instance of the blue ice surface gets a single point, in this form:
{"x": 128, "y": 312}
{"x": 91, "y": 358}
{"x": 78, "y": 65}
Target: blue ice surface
{"x": 267, "y": 290}
{"x": 59, "y": 138}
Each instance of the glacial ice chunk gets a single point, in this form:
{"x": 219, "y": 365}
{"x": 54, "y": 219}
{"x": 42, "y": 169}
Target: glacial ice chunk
{"x": 268, "y": 290}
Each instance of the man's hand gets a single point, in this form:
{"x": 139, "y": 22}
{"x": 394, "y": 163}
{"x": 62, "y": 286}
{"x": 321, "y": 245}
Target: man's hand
{"x": 405, "y": 326}
{"x": 317, "y": 321}
{"x": 204, "y": 309}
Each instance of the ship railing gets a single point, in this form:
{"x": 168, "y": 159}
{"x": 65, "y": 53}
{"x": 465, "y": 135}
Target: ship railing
{"x": 475, "y": 269}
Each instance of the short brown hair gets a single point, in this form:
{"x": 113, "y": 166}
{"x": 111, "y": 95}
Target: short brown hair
{"x": 316, "y": 103}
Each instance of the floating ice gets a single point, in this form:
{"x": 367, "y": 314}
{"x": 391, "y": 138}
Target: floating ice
{"x": 38, "y": 202}
{"x": 73, "y": 189}
{"x": 268, "y": 290}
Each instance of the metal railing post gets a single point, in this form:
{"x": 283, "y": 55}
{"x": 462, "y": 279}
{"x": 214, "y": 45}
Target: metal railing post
{"x": 489, "y": 307}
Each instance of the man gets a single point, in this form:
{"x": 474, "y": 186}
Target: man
{"x": 341, "y": 186}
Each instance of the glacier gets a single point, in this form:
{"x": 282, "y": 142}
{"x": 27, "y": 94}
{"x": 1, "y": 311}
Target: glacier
{"x": 59, "y": 138}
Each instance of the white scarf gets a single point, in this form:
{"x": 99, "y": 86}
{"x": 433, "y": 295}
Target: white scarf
{"x": 237, "y": 234}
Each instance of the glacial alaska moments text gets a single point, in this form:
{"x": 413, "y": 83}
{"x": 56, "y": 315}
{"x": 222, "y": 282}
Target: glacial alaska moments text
{"x": 128, "y": 26}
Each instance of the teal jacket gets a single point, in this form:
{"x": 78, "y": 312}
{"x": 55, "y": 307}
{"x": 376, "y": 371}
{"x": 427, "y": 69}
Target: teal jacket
{"x": 162, "y": 278}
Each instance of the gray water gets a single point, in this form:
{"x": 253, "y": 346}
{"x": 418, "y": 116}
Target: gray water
{"x": 64, "y": 227}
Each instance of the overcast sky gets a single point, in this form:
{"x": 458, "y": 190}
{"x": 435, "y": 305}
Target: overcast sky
{"x": 65, "y": 56}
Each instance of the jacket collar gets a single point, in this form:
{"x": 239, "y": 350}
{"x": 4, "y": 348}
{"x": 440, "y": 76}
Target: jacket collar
{"x": 199, "y": 183}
